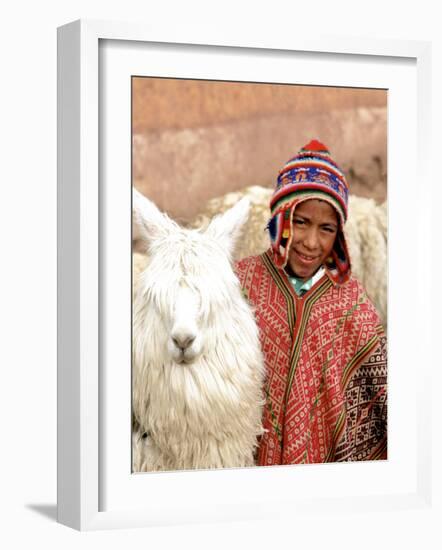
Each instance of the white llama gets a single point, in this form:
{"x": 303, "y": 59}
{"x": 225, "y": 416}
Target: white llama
{"x": 197, "y": 364}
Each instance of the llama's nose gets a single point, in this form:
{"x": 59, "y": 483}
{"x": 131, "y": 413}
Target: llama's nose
{"x": 183, "y": 341}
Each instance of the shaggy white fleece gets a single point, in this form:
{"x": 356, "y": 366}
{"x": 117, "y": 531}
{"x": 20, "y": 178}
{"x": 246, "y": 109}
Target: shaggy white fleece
{"x": 366, "y": 234}
{"x": 365, "y": 230}
{"x": 196, "y": 404}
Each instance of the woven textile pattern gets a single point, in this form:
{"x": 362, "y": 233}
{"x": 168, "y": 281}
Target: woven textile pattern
{"x": 326, "y": 368}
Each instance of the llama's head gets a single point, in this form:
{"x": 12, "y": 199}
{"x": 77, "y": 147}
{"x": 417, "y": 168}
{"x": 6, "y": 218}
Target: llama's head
{"x": 188, "y": 282}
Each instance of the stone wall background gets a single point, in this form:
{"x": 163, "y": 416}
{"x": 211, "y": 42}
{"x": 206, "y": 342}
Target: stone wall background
{"x": 195, "y": 140}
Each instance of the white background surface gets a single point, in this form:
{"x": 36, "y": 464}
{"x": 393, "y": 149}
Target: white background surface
{"x": 28, "y": 270}
{"x": 233, "y": 492}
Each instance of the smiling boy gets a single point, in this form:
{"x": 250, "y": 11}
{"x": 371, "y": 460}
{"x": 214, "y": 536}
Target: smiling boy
{"x": 323, "y": 343}
{"x": 315, "y": 228}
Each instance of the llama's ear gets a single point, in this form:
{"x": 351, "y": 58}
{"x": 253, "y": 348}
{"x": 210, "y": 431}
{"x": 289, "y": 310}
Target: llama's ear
{"x": 147, "y": 218}
{"x": 227, "y": 227}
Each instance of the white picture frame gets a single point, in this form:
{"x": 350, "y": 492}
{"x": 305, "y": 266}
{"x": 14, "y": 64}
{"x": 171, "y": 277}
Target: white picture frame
{"x": 94, "y": 490}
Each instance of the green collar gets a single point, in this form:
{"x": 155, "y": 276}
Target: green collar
{"x": 301, "y": 287}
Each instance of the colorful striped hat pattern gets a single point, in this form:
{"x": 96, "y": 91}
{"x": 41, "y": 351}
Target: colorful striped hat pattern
{"x": 311, "y": 174}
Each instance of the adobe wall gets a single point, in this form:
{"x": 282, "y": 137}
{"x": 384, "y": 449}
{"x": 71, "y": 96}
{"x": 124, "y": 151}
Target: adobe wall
{"x": 194, "y": 140}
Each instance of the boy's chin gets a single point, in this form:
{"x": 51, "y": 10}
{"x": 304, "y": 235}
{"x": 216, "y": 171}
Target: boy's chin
{"x": 301, "y": 272}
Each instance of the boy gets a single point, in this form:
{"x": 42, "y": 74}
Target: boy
{"x": 323, "y": 343}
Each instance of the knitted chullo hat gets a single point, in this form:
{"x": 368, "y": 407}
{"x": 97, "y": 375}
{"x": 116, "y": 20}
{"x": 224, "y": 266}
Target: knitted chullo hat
{"x": 311, "y": 174}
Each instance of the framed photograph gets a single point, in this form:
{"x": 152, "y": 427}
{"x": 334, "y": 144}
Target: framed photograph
{"x": 114, "y": 81}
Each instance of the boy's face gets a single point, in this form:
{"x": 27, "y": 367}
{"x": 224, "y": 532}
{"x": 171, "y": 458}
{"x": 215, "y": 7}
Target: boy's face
{"x": 315, "y": 226}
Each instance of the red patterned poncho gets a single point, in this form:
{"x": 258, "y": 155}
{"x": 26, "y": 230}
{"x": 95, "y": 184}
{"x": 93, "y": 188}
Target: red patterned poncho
{"x": 325, "y": 356}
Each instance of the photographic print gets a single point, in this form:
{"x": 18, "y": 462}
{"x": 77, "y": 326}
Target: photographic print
{"x": 259, "y": 277}
{"x": 222, "y": 275}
